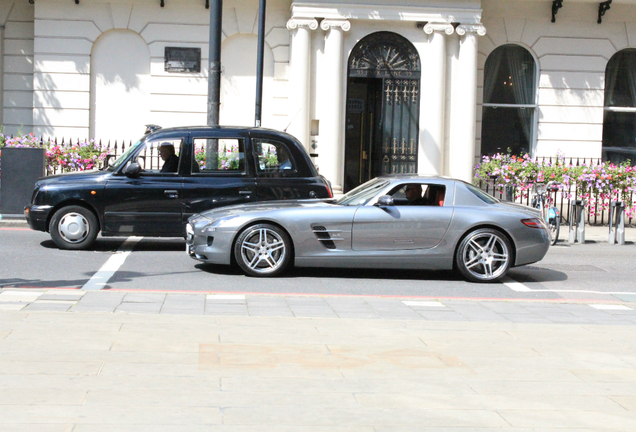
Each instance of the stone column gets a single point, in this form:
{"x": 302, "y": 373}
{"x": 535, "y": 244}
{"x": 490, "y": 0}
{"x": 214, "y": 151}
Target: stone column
{"x": 331, "y": 144}
{"x": 431, "y": 160}
{"x": 464, "y": 106}
{"x": 299, "y": 77}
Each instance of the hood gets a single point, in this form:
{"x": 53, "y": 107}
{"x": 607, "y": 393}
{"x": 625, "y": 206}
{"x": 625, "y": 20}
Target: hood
{"x": 242, "y": 209}
{"x": 79, "y": 176}
{"x": 504, "y": 205}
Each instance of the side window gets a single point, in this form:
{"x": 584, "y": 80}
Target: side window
{"x": 160, "y": 156}
{"x": 218, "y": 155}
{"x": 419, "y": 194}
{"x": 273, "y": 159}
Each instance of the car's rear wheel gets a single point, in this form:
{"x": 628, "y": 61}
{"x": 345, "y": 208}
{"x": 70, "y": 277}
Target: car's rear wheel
{"x": 263, "y": 250}
{"x": 484, "y": 255}
{"x": 73, "y": 227}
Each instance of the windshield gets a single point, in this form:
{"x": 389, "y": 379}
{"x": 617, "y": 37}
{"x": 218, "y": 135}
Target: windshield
{"x": 481, "y": 194}
{"x": 120, "y": 160}
{"x": 363, "y": 193}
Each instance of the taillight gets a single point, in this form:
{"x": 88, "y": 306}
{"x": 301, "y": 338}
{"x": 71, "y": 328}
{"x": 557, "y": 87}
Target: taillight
{"x": 533, "y": 223}
{"x": 326, "y": 182}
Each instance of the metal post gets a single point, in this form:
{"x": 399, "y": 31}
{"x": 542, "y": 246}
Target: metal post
{"x": 577, "y": 222}
{"x": 259, "y": 64}
{"x": 617, "y": 219}
{"x": 214, "y": 77}
{"x": 214, "y": 81}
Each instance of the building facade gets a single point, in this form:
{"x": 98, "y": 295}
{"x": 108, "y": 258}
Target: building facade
{"x": 369, "y": 87}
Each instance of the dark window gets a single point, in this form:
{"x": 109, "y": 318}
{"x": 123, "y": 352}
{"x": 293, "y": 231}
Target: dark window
{"x": 619, "y": 122}
{"x": 182, "y": 59}
{"x": 218, "y": 156}
{"x": 273, "y": 159}
{"x": 509, "y": 101}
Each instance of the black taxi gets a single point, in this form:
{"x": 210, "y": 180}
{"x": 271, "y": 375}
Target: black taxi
{"x": 169, "y": 175}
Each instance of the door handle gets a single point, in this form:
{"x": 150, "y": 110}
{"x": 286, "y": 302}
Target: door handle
{"x": 245, "y": 192}
{"x": 171, "y": 193}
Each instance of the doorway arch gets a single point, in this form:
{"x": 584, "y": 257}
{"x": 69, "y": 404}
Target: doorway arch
{"x": 120, "y": 105}
{"x": 383, "y": 109}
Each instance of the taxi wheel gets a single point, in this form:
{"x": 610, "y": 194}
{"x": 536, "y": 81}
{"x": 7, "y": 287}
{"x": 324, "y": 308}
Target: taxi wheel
{"x": 263, "y": 250}
{"x": 74, "y": 228}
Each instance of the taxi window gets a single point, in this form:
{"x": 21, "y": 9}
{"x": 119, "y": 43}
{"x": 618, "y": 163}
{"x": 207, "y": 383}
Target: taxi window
{"x": 273, "y": 159}
{"x": 160, "y": 156}
{"x": 218, "y": 156}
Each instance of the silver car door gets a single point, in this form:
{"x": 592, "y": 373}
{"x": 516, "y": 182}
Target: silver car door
{"x": 400, "y": 227}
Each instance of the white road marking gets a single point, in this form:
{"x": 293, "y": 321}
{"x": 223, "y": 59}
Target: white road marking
{"x": 610, "y": 307}
{"x": 423, "y": 303}
{"x": 515, "y": 286}
{"x": 20, "y": 296}
{"x": 100, "y": 279}
{"x": 518, "y": 286}
{"x": 225, "y": 297}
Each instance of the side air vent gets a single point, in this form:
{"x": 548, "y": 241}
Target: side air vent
{"x": 325, "y": 236}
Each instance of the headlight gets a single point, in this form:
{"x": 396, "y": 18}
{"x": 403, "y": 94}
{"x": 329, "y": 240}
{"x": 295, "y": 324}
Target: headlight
{"x": 189, "y": 231}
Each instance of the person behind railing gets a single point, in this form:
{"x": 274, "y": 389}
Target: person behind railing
{"x": 170, "y": 159}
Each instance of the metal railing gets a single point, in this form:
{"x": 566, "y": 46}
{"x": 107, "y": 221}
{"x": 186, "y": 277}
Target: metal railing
{"x": 600, "y": 216}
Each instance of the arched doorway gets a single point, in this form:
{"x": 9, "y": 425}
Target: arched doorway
{"x": 383, "y": 89}
{"x": 120, "y": 105}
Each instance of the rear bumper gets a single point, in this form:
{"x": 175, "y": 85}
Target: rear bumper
{"x": 37, "y": 216}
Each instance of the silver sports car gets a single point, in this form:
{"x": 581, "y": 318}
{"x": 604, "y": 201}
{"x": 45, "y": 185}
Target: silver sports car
{"x": 409, "y": 222}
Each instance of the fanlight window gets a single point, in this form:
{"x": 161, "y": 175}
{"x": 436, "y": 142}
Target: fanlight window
{"x": 509, "y": 107}
{"x": 619, "y": 122}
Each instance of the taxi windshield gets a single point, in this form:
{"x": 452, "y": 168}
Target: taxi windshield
{"x": 120, "y": 160}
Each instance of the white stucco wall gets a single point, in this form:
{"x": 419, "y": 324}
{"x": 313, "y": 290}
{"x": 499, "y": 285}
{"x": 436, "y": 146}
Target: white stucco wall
{"x": 17, "y": 65}
{"x": 572, "y": 54}
{"x": 65, "y": 34}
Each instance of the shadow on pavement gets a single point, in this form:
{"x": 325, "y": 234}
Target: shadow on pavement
{"x": 100, "y": 245}
{"x": 340, "y": 273}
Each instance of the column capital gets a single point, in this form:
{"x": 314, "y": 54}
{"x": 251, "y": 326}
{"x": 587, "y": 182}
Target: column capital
{"x": 478, "y": 29}
{"x": 326, "y": 24}
{"x": 429, "y": 28}
{"x": 294, "y": 23}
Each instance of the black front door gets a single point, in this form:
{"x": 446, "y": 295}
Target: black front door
{"x": 382, "y": 129}
{"x": 382, "y": 120}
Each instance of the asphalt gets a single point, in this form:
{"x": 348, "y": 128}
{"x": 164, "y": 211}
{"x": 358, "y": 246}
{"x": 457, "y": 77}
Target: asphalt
{"x": 97, "y": 361}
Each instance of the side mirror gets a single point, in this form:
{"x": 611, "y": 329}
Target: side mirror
{"x": 109, "y": 159}
{"x": 385, "y": 201}
{"x": 132, "y": 169}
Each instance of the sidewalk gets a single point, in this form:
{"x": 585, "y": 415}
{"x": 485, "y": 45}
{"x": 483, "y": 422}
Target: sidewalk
{"x": 76, "y": 361}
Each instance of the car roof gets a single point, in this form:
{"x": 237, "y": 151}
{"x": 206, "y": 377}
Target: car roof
{"x": 416, "y": 177}
{"x": 216, "y": 128}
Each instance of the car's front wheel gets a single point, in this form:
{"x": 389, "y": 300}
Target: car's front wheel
{"x": 484, "y": 255}
{"x": 263, "y": 250}
{"x": 73, "y": 227}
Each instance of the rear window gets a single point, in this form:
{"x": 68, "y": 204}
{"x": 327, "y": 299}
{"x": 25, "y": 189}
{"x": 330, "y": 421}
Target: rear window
{"x": 482, "y": 195}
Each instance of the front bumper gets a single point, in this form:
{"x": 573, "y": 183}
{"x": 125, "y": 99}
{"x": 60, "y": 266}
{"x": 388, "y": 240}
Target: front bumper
{"x": 213, "y": 248}
{"x": 37, "y": 216}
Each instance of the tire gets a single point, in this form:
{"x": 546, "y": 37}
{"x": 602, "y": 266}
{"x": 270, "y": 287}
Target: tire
{"x": 484, "y": 255}
{"x": 555, "y": 225}
{"x": 73, "y": 228}
{"x": 263, "y": 250}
